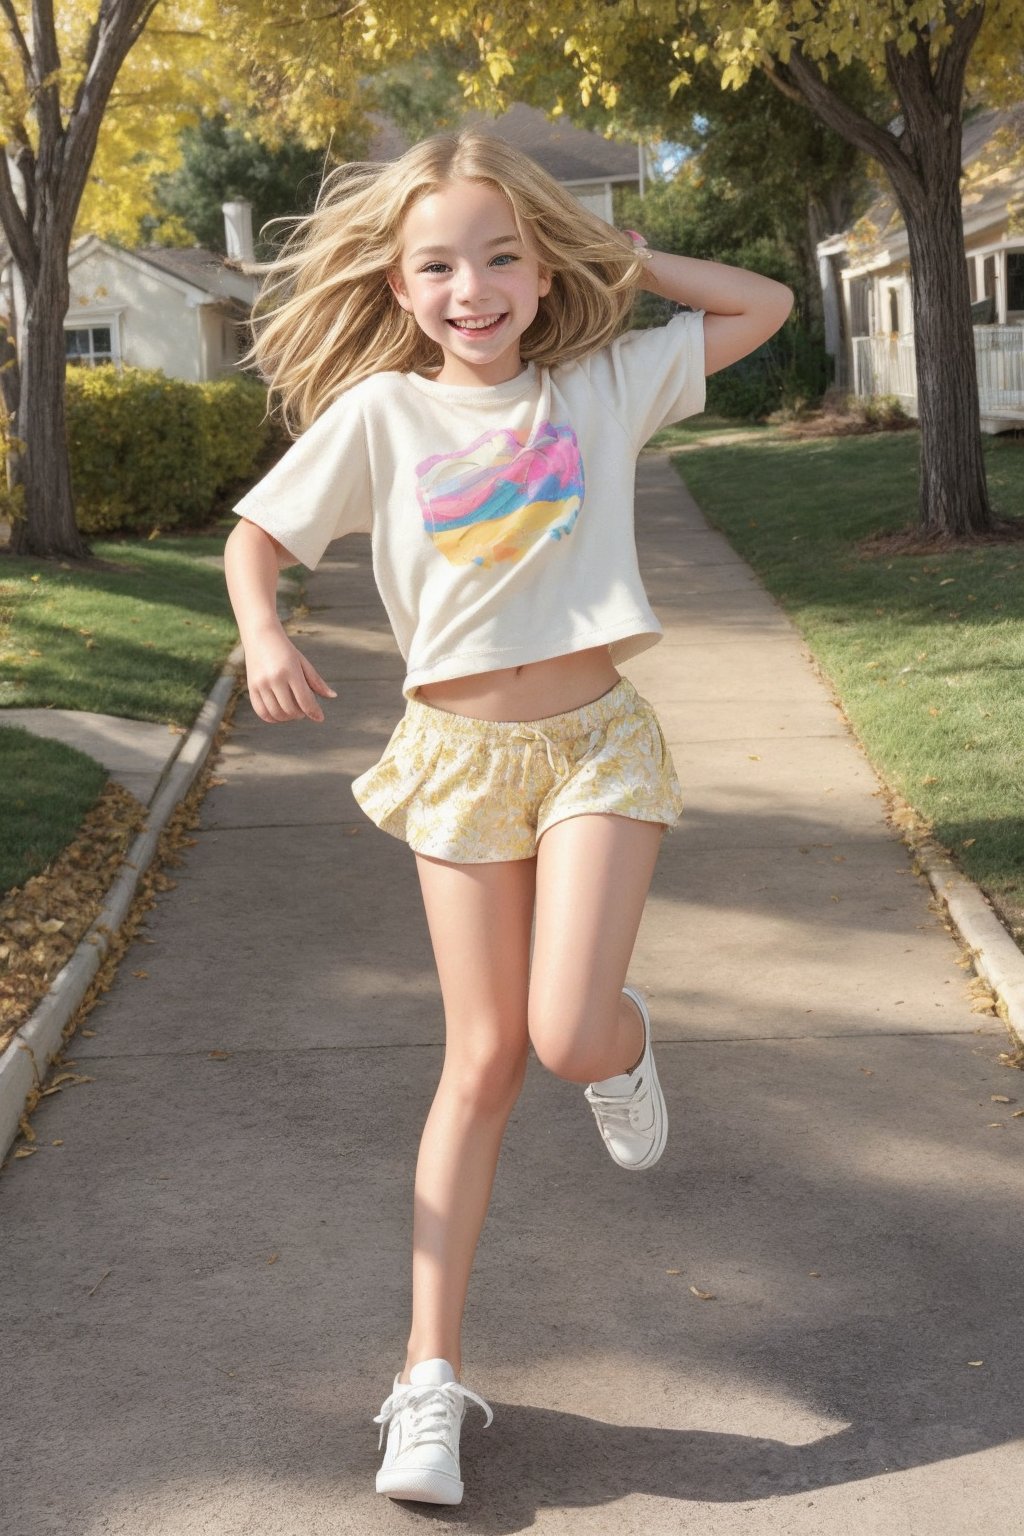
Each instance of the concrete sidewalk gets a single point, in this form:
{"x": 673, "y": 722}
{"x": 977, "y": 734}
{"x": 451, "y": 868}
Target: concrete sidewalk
{"x": 207, "y": 1280}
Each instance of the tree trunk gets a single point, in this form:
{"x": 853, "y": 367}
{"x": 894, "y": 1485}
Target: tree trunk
{"x": 923, "y": 166}
{"x": 43, "y": 466}
{"x": 953, "y": 494}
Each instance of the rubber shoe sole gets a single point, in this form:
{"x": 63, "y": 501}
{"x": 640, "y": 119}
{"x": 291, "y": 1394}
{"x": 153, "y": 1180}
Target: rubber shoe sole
{"x": 423, "y": 1485}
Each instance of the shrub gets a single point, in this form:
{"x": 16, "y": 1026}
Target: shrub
{"x": 842, "y": 414}
{"x": 151, "y": 451}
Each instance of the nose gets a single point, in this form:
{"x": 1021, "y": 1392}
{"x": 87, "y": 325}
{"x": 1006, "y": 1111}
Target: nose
{"x": 470, "y": 283}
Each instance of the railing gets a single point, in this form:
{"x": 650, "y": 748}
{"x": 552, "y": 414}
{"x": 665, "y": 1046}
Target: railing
{"x": 884, "y": 365}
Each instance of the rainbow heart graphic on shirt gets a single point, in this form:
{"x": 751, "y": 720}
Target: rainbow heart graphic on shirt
{"x": 493, "y": 500}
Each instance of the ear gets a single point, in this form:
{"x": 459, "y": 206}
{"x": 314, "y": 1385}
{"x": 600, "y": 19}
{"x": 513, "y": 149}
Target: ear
{"x": 544, "y": 280}
{"x": 397, "y": 286}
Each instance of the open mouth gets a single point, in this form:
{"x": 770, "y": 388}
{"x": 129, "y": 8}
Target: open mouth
{"x": 485, "y": 325}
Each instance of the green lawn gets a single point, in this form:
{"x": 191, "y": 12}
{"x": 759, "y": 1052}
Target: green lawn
{"x": 146, "y": 640}
{"x": 925, "y": 652}
{"x": 48, "y": 788}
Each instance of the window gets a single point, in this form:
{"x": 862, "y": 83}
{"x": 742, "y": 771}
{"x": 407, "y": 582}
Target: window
{"x": 894, "y": 310}
{"x": 1015, "y": 279}
{"x": 89, "y": 345}
{"x": 860, "y": 324}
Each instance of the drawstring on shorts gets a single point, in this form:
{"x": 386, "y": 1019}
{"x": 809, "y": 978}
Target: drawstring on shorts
{"x": 564, "y": 765}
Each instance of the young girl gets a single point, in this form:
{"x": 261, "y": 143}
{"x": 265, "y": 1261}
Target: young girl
{"x": 446, "y": 333}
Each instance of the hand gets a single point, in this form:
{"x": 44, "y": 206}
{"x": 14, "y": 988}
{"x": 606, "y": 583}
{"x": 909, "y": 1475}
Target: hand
{"x": 282, "y": 682}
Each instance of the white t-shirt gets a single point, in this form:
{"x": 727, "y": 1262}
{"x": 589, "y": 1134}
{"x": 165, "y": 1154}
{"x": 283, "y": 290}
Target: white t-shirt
{"x": 501, "y": 515}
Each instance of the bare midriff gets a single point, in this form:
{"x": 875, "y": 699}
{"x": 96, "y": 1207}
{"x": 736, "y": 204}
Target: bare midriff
{"x": 529, "y": 692}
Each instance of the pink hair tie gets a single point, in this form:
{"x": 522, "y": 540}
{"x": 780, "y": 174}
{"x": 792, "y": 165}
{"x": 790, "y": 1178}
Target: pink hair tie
{"x": 639, "y": 244}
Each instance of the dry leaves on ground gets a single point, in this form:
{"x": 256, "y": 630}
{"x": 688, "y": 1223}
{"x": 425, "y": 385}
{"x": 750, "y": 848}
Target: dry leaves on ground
{"x": 42, "y": 921}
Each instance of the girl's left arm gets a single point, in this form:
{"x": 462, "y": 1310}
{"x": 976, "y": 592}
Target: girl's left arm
{"x": 741, "y": 309}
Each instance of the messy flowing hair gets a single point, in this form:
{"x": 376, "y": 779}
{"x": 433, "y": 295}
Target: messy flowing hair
{"x": 325, "y": 316}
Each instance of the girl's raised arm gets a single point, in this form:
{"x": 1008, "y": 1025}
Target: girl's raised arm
{"x": 741, "y": 309}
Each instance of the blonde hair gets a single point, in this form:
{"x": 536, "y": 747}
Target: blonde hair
{"x": 325, "y": 317}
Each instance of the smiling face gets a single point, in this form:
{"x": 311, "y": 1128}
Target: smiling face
{"x": 469, "y": 281}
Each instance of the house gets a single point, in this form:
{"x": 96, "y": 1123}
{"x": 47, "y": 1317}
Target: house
{"x": 184, "y": 310}
{"x": 866, "y": 282}
{"x": 587, "y": 165}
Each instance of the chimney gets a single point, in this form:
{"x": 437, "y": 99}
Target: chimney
{"x": 238, "y": 230}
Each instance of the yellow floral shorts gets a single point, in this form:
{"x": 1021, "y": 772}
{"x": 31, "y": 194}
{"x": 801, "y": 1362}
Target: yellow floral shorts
{"x": 476, "y": 791}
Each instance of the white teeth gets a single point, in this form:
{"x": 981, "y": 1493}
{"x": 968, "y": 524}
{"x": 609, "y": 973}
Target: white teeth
{"x": 475, "y": 325}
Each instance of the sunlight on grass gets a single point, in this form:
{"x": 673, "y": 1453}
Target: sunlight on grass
{"x": 144, "y": 641}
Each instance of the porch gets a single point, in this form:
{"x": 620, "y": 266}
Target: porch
{"x": 884, "y": 365}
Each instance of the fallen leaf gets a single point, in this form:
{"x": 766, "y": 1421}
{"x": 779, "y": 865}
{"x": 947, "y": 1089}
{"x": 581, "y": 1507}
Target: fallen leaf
{"x": 975, "y": 1362}
{"x": 673, "y": 1271}
{"x": 57, "y": 1142}
{"x": 702, "y": 1295}
{"x": 273, "y": 1258}
{"x": 1002, "y": 1098}
{"x": 815, "y": 1274}
{"x": 143, "y": 974}
{"x": 218, "y": 1055}
{"x": 26, "y": 1151}
{"x": 968, "y": 842}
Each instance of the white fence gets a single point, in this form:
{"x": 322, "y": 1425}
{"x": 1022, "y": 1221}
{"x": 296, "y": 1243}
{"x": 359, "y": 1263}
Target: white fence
{"x": 884, "y": 366}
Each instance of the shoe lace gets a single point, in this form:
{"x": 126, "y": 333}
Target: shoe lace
{"x": 432, "y": 1409}
{"x": 616, "y": 1111}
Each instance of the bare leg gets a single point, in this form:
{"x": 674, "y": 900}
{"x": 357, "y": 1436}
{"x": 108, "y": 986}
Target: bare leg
{"x": 593, "y": 875}
{"x": 479, "y": 917}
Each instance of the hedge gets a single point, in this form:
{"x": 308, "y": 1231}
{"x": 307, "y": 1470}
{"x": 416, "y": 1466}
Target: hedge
{"x": 149, "y": 451}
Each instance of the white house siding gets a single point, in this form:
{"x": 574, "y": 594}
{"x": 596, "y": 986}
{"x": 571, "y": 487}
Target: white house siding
{"x": 156, "y": 323}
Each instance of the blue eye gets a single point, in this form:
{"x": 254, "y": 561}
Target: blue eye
{"x": 506, "y": 256}
{"x": 434, "y": 266}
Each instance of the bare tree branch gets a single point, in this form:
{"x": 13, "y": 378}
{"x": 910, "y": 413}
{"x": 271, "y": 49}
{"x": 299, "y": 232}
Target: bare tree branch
{"x": 16, "y": 227}
{"x": 18, "y": 38}
{"x": 800, "y": 79}
{"x": 120, "y": 22}
{"x": 47, "y": 78}
{"x": 952, "y": 65}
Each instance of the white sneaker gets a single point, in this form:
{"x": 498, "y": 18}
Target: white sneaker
{"x": 630, "y": 1107}
{"x": 424, "y": 1418}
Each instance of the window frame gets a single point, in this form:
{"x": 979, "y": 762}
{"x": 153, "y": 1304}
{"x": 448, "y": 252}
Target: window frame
{"x": 94, "y": 321}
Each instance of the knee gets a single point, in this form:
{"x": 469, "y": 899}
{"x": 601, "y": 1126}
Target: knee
{"x": 567, "y": 1045}
{"x": 488, "y": 1077}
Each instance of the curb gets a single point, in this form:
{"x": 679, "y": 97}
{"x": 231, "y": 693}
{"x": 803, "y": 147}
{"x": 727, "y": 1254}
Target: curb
{"x": 27, "y": 1058}
{"x": 994, "y": 954}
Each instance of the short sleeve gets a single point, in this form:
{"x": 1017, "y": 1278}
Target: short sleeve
{"x": 651, "y": 378}
{"x": 319, "y": 489}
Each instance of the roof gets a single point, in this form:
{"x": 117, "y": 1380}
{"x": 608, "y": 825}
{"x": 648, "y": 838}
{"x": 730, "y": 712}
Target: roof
{"x": 989, "y": 183}
{"x": 567, "y": 153}
{"x": 202, "y": 268}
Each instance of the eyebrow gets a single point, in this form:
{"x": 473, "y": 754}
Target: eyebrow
{"x": 442, "y": 250}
